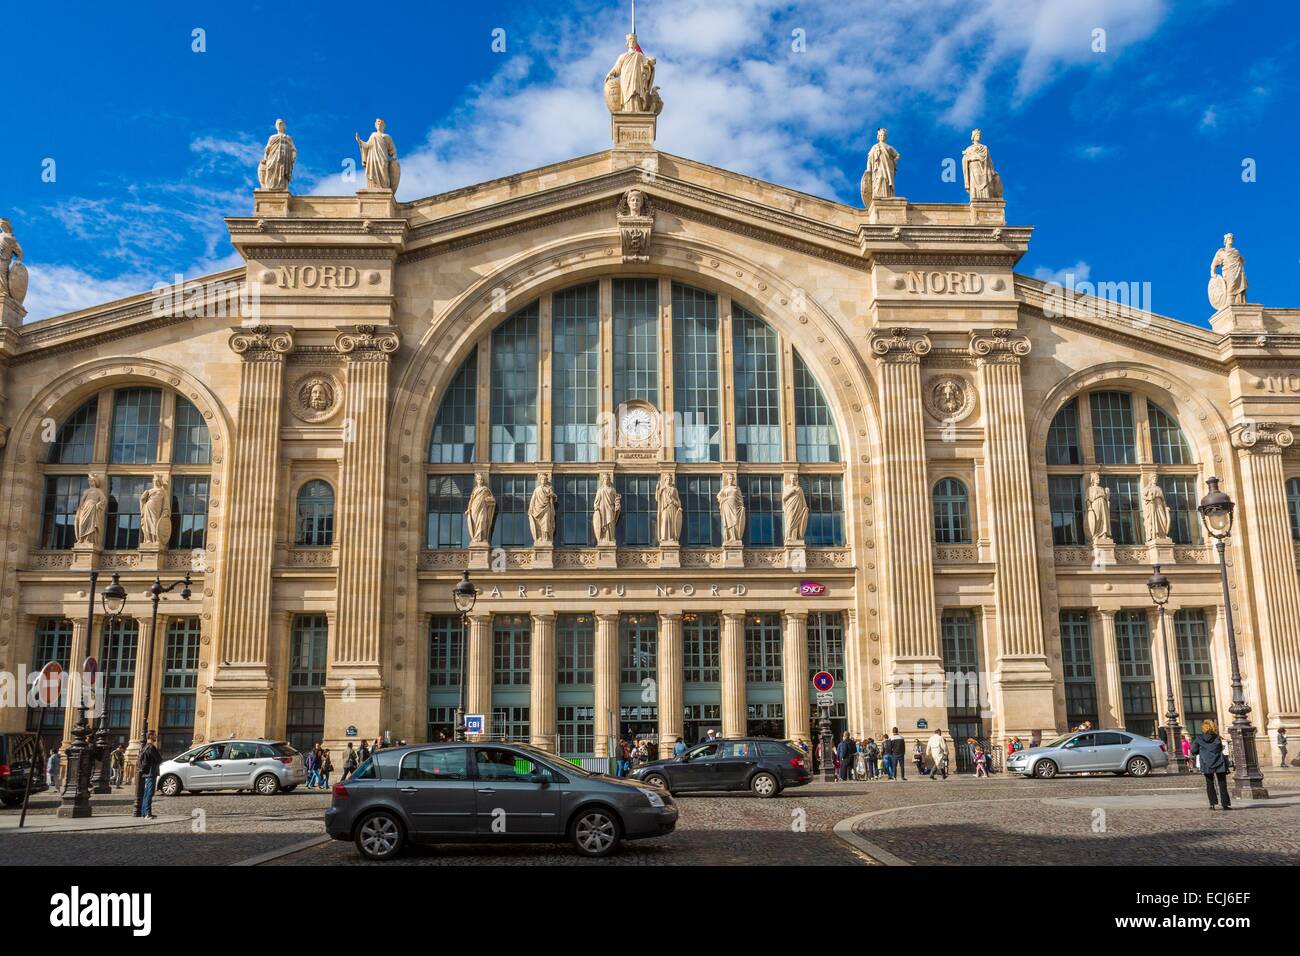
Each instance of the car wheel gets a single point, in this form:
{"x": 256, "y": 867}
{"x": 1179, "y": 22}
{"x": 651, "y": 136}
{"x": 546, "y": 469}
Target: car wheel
{"x": 594, "y": 832}
{"x": 655, "y": 780}
{"x": 764, "y": 785}
{"x": 1045, "y": 769}
{"x": 1138, "y": 767}
{"x": 267, "y": 785}
{"x": 380, "y": 836}
{"x": 170, "y": 785}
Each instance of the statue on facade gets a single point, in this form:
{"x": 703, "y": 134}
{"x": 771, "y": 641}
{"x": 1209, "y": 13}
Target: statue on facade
{"x": 670, "y": 510}
{"x": 1155, "y": 510}
{"x": 794, "y": 507}
{"x": 629, "y": 86}
{"x": 89, "y": 521}
{"x": 541, "y": 510}
{"x": 481, "y": 511}
{"x": 882, "y": 167}
{"x": 605, "y": 509}
{"x": 636, "y": 220}
{"x": 977, "y": 172}
{"x": 731, "y": 507}
{"x": 276, "y": 168}
{"x": 155, "y": 514}
{"x": 379, "y": 157}
{"x": 1230, "y": 287}
{"x": 13, "y": 274}
{"x": 1096, "y": 512}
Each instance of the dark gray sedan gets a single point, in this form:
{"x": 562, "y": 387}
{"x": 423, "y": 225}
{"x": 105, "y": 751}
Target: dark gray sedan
{"x": 488, "y": 793}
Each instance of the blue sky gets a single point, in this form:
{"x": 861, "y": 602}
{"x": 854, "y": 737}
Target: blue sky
{"x": 1127, "y": 160}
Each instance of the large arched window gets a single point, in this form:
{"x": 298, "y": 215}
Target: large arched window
{"x": 951, "y": 512}
{"x": 126, "y": 437}
{"x": 1293, "y": 506}
{"x": 315, "y": 522}
{"x": 556, "y": 379}
{"x": 1100, "y": 428}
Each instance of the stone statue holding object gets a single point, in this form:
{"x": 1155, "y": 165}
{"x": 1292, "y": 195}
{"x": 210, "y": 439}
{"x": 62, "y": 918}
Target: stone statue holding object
{"x": 882, "y": 168}
{"x": 13, "y": 274}
{"x": 155, "y": 514}
{"x": 1229, "y": 288}
{"x": 794, "y": 508}
{"x": 731, "y": 508}
{"x": 977, "y": 172}
{"x": 541, "y": 510}
{"x": 629, "y": 86}
{"x": 605, "y": 509}
{"x": 1096, "y": 512}
{"x": 480, "y": 512}
{"x": 276, "y": 168}
{"x": 670, "y": 510}
{"x": 89, "y": 521}
{"x": 379, "y": 157}
{"x": 1155, "y": 511}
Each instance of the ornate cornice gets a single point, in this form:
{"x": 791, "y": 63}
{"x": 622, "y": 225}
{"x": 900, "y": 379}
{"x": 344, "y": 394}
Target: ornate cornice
{"x": 367, "y": 341}
{"x": 900, "y": 344}
{"x": 999, "y": 345}
{"x": 1261, "y": 438}
{"x": 262, "y": 343}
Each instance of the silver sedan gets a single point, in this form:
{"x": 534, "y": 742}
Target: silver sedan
{"x": 1091, "y": 751}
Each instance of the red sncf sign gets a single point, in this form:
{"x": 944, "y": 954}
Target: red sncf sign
{"x": 812, "y": 589}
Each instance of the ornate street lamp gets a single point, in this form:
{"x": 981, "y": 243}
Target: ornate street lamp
{"x": 113, "y": 599}
{"x": 1159, "y": 587}
{"x": 156, "y": 591}
{"x": 1216, "y": 510}
{"x": 464, "y": 594}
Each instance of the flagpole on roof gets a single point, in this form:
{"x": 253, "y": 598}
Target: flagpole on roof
{"x": 633, "y": 17}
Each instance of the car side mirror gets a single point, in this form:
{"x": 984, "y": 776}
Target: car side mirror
{"x": 681, "y": 758}
{"x": 541, "y": 779}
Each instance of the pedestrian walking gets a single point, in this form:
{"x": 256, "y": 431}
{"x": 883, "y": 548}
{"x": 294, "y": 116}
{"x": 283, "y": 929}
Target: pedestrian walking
{"x": 326, "y": 768}
{"x": 981, "y": 762}
{"x": 150, "y": 761}
{"x": 117, "y": 765}
{"x": 679, "y": 747}
{"x": 898, "y": 747}
{"x": 871, "y": 753}
{"x": 363, "y": 753}
{"x": 937, "y": 748}
{"x": 1186, "y": 747}
{"x": 349, "y": 763}
{"x": 312, "y": 761}
{"x": 844, "y": 754}
{"x": 1213, "y": 763}
{"x": 52, "y": 770}
{"x": 1281, "y": 746}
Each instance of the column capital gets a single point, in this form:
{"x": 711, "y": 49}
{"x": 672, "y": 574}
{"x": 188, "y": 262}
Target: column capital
{"x": 262, "y": 343}
{"x": 605, "y": 617}
{"x": 795, "y": 615}
{"x": 900, "y": 344}
{"x": 542, "y": 617}
{"x": 479, "y": 617}
{"x": 999, "y": 345}
{"x": 1262, "y": 438}
{"x": 367, "y": 342}
{"x": 670, "y": 615}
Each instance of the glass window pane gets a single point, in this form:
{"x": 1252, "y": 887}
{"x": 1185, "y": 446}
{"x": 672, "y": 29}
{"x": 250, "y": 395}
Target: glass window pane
{"x": 511, "y": 649}
{"x": 575, "y": 372}
{"x": 763, "y": 649}
{"x": 1065, "y": 494}
{"x": 446, "y": 643}
{"x": 446, "y": 499}
{"x": 1063, "y": 436}
{"x": 1137, "y": 683}
{"x": 452, "y": 439}
{"x": 757, "y": 363}
{"x": 59, "y": 510}
{"x": 191, "y": 443}
{"x": 637, "y": 523}
{"x": 1168, "y": 446}
{"x": 74, "y": 443}
{"x": 825, "y": 497}
{"x": 638, "y": 644}
{"x": 573, "y": 527}
{"x": 1113, "y": 438}
{"x": 815, "y": 436}
{"x": 1180, "y": 496}
{"x": 702, "y": 647}
{"x": 697, "y": 410}
{"x": 826, "y": 647}
{"x": 764, "y": 515}
{"x": 514, "y": 405}
{"x": 189, "y": 512}
{"x": 315, "y": 518}
{"x": 1076, "y": 663}
{"x": 575, "y": 641}
{"x": 961, "y": 662}
{"x": 122, "y": 528}
{"x": 701, "y": 524}
{"x": 134, "y": 437}
{"x": 1195, "y": 667}
{"x": 512, "y": 493}
{"x": 951, "y": 512}
{"x": 1125, "y": 508}
{"x": 636, "y": 340}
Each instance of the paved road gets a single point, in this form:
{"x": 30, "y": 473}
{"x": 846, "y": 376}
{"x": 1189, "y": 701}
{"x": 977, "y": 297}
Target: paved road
{"x": 1157, "y": 820}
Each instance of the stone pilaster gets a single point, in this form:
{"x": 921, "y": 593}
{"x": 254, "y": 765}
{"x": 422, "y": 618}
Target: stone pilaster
{"x": 478, "y": 673}
{"x": 606, "y": 681}
{"x": 241, "y": 688}
{"x": 541, "y": 686}
{"x": 1263, "y": 527}
{"x": 1110, "y": 699}
{"x": 671, "y": 664}
{"x": 734, "y": 715}
{"x": 916, "y": 678}
{"x": 144, "y": 640}
{"x": 354, "y": 691}
{"x": 794, "y": 675}
{"x": 1024, "y": 683}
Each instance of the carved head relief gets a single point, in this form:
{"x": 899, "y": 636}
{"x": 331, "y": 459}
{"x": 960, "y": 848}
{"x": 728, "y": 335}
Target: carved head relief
{"x": 316, "y": 398}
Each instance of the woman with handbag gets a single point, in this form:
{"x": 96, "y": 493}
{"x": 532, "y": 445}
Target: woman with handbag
{"x": 1212, "y": 761}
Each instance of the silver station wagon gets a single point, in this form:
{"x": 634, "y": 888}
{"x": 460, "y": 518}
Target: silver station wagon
{"x": 1091, "y": 751}
{"x": 263, "y": 766}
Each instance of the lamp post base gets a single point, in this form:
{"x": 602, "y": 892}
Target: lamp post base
{"x": 1247, "y": 778}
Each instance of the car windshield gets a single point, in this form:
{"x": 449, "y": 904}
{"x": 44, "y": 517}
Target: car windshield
{"x": 1058, "y": 741}
{"x": 550, "y": 759}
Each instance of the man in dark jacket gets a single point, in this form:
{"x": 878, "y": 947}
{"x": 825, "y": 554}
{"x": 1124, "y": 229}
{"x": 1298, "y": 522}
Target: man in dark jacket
{"x": 846, "y": 751}
{"x": 150, "y": 761}
{"x": 1207, "y": 747}
{"x": 898, "y": 747}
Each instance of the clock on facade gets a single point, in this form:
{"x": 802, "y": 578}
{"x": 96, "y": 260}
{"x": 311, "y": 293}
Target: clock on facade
{"x": 638, "y": 425}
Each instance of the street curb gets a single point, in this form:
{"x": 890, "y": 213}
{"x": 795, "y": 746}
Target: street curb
{"x": 877, "y": 854}
{"x": 112, "y": 822}
{"x": 283, "y": 851}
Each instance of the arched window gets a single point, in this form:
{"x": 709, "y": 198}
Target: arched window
{"x": 514, "y": 387}
{"x": 758, "y": 388}
{"x": 815, "y": 436}
{"x": 1293, "y": 506}
{"x": 151, "y": 432}
{"x": 315, "y": 525}
{"x": 454, "y": 429}
{"x": 951, "y": 512}
{"x": 1098, "y": 429}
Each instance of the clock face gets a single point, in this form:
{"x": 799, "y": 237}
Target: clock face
{"x": 638, "y": 424}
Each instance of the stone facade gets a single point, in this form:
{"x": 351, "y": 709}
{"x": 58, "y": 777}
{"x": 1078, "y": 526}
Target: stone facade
{"x": 327, "y": 356}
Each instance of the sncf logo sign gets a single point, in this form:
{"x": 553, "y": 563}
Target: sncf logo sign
{"x": 812, "y": 589}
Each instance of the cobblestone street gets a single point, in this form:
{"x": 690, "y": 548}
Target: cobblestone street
{"x": 1103, "y": 820}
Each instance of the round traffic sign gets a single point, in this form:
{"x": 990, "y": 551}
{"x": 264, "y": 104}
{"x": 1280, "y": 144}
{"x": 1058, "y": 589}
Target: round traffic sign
{"x": 823, "y": 680}
{"x": 49, "y": 684}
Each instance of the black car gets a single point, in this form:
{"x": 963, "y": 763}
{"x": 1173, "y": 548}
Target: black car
{"x": 490, "y": 793}
{"x": 18, "y": 753}
{"x": 760, "y": 764}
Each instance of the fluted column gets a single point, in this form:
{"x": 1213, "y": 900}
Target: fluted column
{"x": 671, "y": 704}
{"x": 606, "y": 681}
{"x": 478, "y": 673}
{"x": 354, "y": 691}
{"x": 241, "y": 688}
{"x": 734, "y": 717}
{"x": 911, "y": 625}
{"x": 541, "y": 703}
{"x": 794, "y": 675}
{"x": 144, "y": 638}
{"x": 1025, "y": 680}
{"x": 1110, "y": 699}
{"x": 1263, "y": 525}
